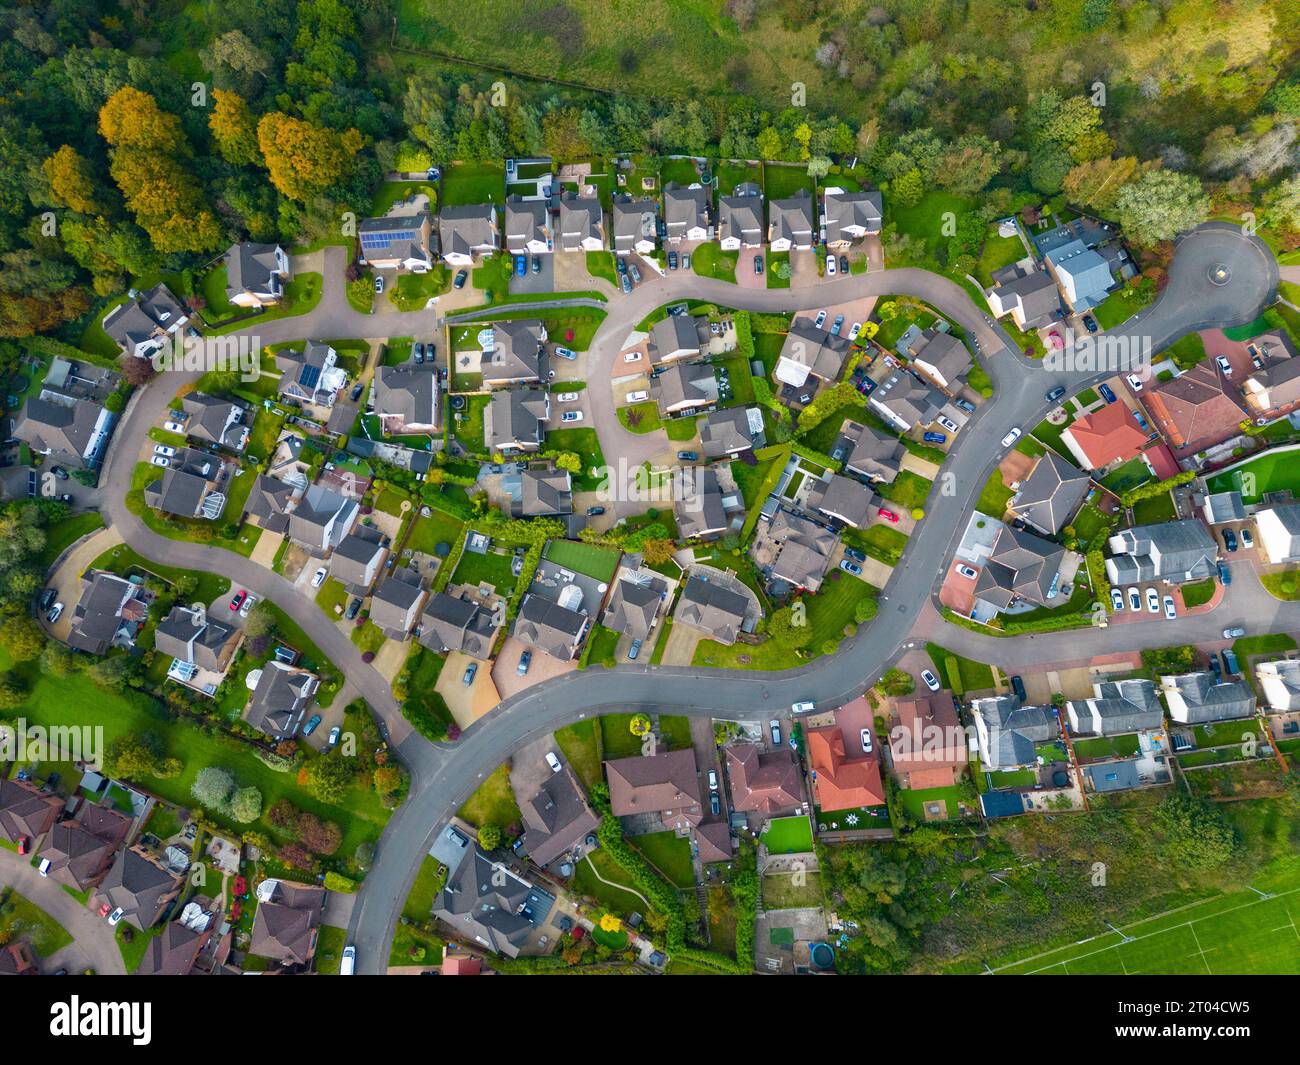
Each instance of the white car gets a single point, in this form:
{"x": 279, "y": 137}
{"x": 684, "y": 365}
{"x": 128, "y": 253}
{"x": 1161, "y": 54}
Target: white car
{"x": 931, "y": 681}
{"x": 1170, "y": 611}
{"x": 1011, "y": 437}
{"x": 116, "y": 915}
{"x": 1224, "y": 365}
{"x": 571, "y": 416}
{"x": 567, "y": 397}
{"x": 318, "y": 578}
{"x": 865, "y": 736}
{"x": 967, "y": 572}
{"x": 830, "y": 265}
{"x": 163, "y": 450}
{"x": 632, "y": 356}
{"x": 821, "y": 320}
{"x": 854, "y": 330}
{"x": 247, "y": 605}
{"x": 174, "y": 427}
{"x": 802, "y": 708}
{"x": 44, "y": 867}
{"x": 1153, "y": 601}
{"x": 638, "y": 397}
{"x": 553, "y": 762}
{"x": 1134, "y": 382}
{"x": 56, "y": 612}
{"x": 1134, "y": 599}
{"x": 348, "y": 963}
{"x": 1116, "y": 600}
{"x": 158, "y": 460}
{"x": 948, "y": 424}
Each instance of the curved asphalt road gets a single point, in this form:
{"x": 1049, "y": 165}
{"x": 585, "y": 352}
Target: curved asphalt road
{"x": 443, "y": 776}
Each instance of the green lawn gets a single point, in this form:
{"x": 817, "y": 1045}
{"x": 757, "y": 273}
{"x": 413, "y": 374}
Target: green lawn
{"x": 586, "y": 445}
{"x": 641, "y": 418}
{"x": 393, "y": 192}
{"x": 63, "y": 535}
{"x": 601, "y": 264}
{"x": 907, "y": 490}
{"x": 1155, "y": 509}
{"x": 438, "y": 528}
{"x": 493, "y": 803}
{"x": 780, "y": 892}
{"x": 615, "y": 898}
{"x": 994, "y": 496}
{"x": 601, "y": 645}
{"x": 1273, "y": 471}
{"x": 972, "y": 675}
{"x": 1129, "y": 475}
{"x": 491, "y": 568}
{"x": 1199, "y": 593}
{"x": 709, "y": 260}
{"x": 598, "y": 562}
{"x": 670, "y": 854}
{"x": 468, "y": 423}
{"x": 914, "y": 800}
{"x": 330, "y": 942}
{"x": 1106, "y": 747}
{"x": 470, "y": 183}
{"x": 579, "y": 745}
{"x": 25, "y": 919}
{"x": 616, "y": 739}
{"x": 301, "y": 295}
{"x": 413, "y": 291}
{"x": 788, "y": 835}
{"x": 419, "y": 903}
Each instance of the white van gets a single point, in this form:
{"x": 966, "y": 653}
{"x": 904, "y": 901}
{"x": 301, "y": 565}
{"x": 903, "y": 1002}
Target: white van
{"x": 637, "y": 397}
{"x": 347, "y": 967}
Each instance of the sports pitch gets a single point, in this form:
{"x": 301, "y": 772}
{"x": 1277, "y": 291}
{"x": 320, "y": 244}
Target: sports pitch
{"x": 1238, "y": 934}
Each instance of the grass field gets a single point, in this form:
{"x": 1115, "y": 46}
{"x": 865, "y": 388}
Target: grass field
{"x": 597, "y": 562}
{"x": 1274, "y": 471}
{"x": 1235, "y": 934}
{"x": 788, "y": 835}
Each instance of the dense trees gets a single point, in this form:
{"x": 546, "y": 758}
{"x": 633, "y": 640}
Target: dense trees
{"x": 1159, "y": 205}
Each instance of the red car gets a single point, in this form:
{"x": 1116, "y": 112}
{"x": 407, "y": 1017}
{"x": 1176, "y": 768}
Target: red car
{"x": 888, "y": 515}
{"x": 241, "y": 886}
{"x": 23, "y": 841}
{"x": 103, "y": 910}
{"x": 238, "y": 601}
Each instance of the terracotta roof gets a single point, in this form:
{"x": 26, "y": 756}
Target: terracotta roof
{"x": 843, "y": 782}
{"x": 461, "y": 966}
{"x": 928, "y": 745}
{"x": 763, "y": 781}
{"x": 1111, "y": 434}
{"x": 714, "y": 841}
{"x": 1193, "y": 411}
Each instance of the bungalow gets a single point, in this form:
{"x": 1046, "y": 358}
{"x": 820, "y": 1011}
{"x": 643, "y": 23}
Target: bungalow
{"x": 699, "y": 507}
{"x": 280, "y": 697}
{"x": 1202, "y": 697}
{"x": 683, "y": 386}
{"x": 401, "y": 240}
{"x": 810, "y": 352}
{"x": 688, "y": 212}
{"x": 678, "y": 336}
{"x": 763, "y": 782}
{"x": 557, "y": 818}
{"x": 109, "y": 613}
{"x": 287, "y": 921}
{"x": 256, "y": 274}
{"x": 841, "y": 781}
{"x": 635, "y": 225}
{"x": 634, "y": 606}
{"x": 849, "y": 216}
{"x": 141, "y": 887}
{"x": 321, "y": 519}
{"x": 1174, "y": 551}
{"x": 1049, "y": 497}
{"x": 458, "y": 623}
{"x": 514, "y": 419}
{"x": 793, "y": 549}
{"x": 543, "y": 494}
{"x": 193, "y": 486}
{"x": 1107, "y": 437}
{"x": 407, "y": 399}
{"x": 712, "y": 608}
{"x": 1279, "y": 686}
{"x": 68, "y": 430}
{"x": 80, "y": 848}
{"x": 528, "y": 226}
{"x": 396, "y": 603}
{"x": 512, "y": 353}
{"x": 869, "y": 453}
{"x": 729, "y": 432}
{"x": 666, "y": 784}
{"x": 844, "y": 500}
{"x": 215, "y": 421}
{"x": 1009, "y": 734}
{"x": 1028, "y": 294}
{"x": 142, "y": 326}
{"x": 310, "y": 377}
{"x": 1116, "y": 708}
{"x": 582, "y": 223}
{"x": 551, "y": 627}
{"x": 359, "y": 559}
{"x": 790, "y": 223}
{"x": 941, "y": 358}
{"x": 468, "y": 232}
{"x": 1279, "y": 532}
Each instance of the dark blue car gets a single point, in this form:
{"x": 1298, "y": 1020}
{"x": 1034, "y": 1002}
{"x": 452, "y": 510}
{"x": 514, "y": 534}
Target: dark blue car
{"x": 1106, "y": 393}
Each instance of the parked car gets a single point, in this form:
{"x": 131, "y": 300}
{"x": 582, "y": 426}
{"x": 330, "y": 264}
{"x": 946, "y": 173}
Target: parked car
{"x": 44, "y": 867}
{"x": 553, "y": 762}
{"x": 1247, "y": 538}
{"x": 567, "y": 397}
{"x": 56, "y": 612}
{"x": 758, "y": 264}
{"x": 116, "y": 916}
{"x": 23, "y": 843}
{"x": 1134, "y": 599}
{"x": 935, "y": 438}
{"x": 238, "y": 601}
{"x": 158, "y": 460}
{"x": 1225, "y": 574}
{"x": 47, "y": 599}
{"x": 964, "y": 404}
{"x": 1224, "y": 365}
{"x": 525, "y": 660}
{"x": 1116, "y": 600}
{"x": 688, "y": 456}
{"x": 571, "y": 416}
{"x": 348, "y": 962}
{"x": 640, "y": 396}
{"x": 775, "y": 727}
{"x": 713, "y": 780}
{"x": 1056, "y": 393}
{"x": 850, "y": 567}
{"x": 335, "y": 733}
{"x": 820, "y": 320}
{"x": 855, "y": 554}
{"x": 1011, "y": 437}
{"x": 171, "y": 427}
{"x": 967, "y": 572}
{"x": 636, "y": 274}
{"x": 803, "y": 707}
{"x": 931, "y": 681}
{"x": 1153, "y": 601}
{"x": 595, "y": 512}
{"x": 461, "y": 277}
{"x": 356, "y": 392}
{"x": 888, "y": 515}
{"x": 566, "y": 353}
{"x": 1089, "y": 323}
{"x": 354, "y": 608}
{"x": 311, "y": 725}
{"x": 1018, "y": 686}
{"x": 854, "y": 330}
{"x": 948, "y": 424}
{"x": 844, "y": 264}
{"x": 537, "y": 264}
{"x": 1234, "y": 633}
{"x": 59, "y": 472}
{"x": 1107, "y": 393}
{"x": 1054, "y": 338}
{"x": 686, "y": 260}
{"x": 248, "y": 606}
{"x": 164, "y": 450}
{"x": 864, "y": 736}
{"x": 634, "y": 650}
{"x": 830, "y": 265}
{"x": 1229, "y": 539}
{"x": 521, "y": 265}
{"x": 1170, "y": 611}
{"x": 1134, "y": 382}
{"x": 379, "y": 285}
{"x": 672, "y": 260}
{"x": 318, "y": 578}
{"x": 837, "y": 325}
{"x": 468, "y": 677}
{"x": 632, "y": 356}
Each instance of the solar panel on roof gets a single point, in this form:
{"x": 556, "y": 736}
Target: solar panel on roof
{"x": 309, "y": 376}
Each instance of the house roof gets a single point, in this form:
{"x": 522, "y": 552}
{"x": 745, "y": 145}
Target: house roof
{"x": 791, "y": 219}
{"x": 1173, "y": 550}
{"x": 1279, "y": 684}
{"x": 843, "y": 498}
{"x": 1195, "y": 410}
{"x": 177, "y": 492}
{"x": 409, "y": 393}
{"x": 1117, "y": 707}
{"x": 942, "y": 351}
{"x": 464, "y": 229}
{"x": 1050, "y": 495}
{"x": 140, "y": 886}
{"x": 871, "y": 452}
{"x": 396, "y": 602}
{"x": 149, "y": 314}
{"x": 249, "y": 268}
{"x": 807, "y": 351}
{"x": 106, "y": 600}
{"x": 58, "y": 423}
{"x": 635, "y": 604}
{"x": 544, "y": 493}
{"x": 1110, "y": 434}
{"x": 675, "y": 334}
{"x": 842, "y": 210}
{"x": 683, "y": 384}
{"x": 802, "y": 549}
{"x": 80, "y": 847}
{"x": 1012, "y": 732}
{"x": 686, "y": 208}
{"x": 581, "y": 219}
{"x": 268, "y": 502}
{"x": 1034, "y": 292}
{"x": 726, "y": 432}
{"x": 214, "y": 420}
{"x": 841, "y": 782}
{"x": 454, "y": 623}
{"x": 284, "y": 927}
{"x": 698, "y": 504}
{"x": 310, "y": 373}
{"x": 173, "y": 951}
{"x": 556, "y": 816}
{"x": 1020, "y": 565}
{"x": 25, "y": 810}
{"x": 1222, "y": 507}
{"x": 741, "y": 218}
{"x": 355, "y": 560}
{"x": 1085, "y": 274}
{"x": 909, "y": 401}
{"x": 928, "y": 743}
{"x": 1194, "y": 698}
{"x": 713, "y": 607}
{"x": 280, "y": 699}
{"x": 515, "y": 353}
{"x": 400, "y": 235}
{"x": 713, "y": 842}
{"x": 526, "y": 221}
{"x": 318, "y": 508}
{"x": 549, "y": 627}
{"x": 484, "y": 900}
{"x": 634, "y": 221}
{"x": 766, "y": 782}
{"x": 516, "y": 417}
{"x": 193, "y": 637}
{"x": 666, "y": 783}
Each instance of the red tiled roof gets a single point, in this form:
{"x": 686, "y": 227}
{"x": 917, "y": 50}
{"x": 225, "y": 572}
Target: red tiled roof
{"x": 1163, "y": 462}
{"x": 461, "y": 966}
{"x": 842, "y": 782}
{"x": 760, "y": 781}
{"x": 928, "y": 747}
{"x": 1193, "y": 411}
{"x": 1107, "y": 435}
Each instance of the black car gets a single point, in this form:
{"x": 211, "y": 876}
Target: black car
{"x": 758, "y": 264}
{"x": 1056, "y": 393}
{"x": 1018, "y": 686}
{"x": 461, "y": 277}
{"x": 354, "y": 608}
{"x": 1089, "y": 323}
{"x": 844, "y": 264}
{"x": 1229, "y": 539}
{"x": 672, "y": 260}
{"x": 715, "y": 804}
{"x": 595, "y": 511}
{"x": 47, "y": 598}
{"x": 60, "y": 473}
{"x": 537, "y": 264}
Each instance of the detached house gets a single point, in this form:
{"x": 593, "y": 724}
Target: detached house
{"x": 712, "y": 608}
{"x": 26, "y": 812}
{"x": 740, "y": 221}
{"x": 684, "y": 386}
{"x": 1116, "y": 708}
{"x": 144, "y": 326}
{"x": 764, "y": 782}
{"x": 141, "y": 887}
{"x": 395, "y": 604}
{"x": 1106, "y": 437}
{"x": 941, "y": 358}
{"x": 1020, "y": 567}
{"x": 458, "y": 623}
{"x": 268, "y": 503}
{"x": 487, "y": 903}
{"x": 287, "y": 921}
{"x": 256, "y": 274}
{"x": 699, "y": 507}
{"x": 80, "y": 848}
{"x": 1274, "y": 390}
{"x": 193, "y": 486}
{"x": 68, "y": 430}
{"x": 543, "y": 494}
{"x": 468, "y": 232}
{"x": 869, "y": 453}
{"x": 281, "y": 695}
{"x": 677, "y": 337}
{"x": 1279, "y": 686}
{"x": 514, "y": 419}
{"x": 1196, "y": 410}
{"x": 401, "y": 240}
{"x": 810, "y": 352}
{"x": 310, "y": 377}
{"x": 790, "y": 223}
{"x": 791, "y": 548}
{"x": 1009, "y": 734}
{"x": 407, "y": 399}
{"x": 556, "y": 818}
{"x": 109, "y": 613}
{"x": 844, "y": 500}
{"x": 215, "y": 421}
{"x": 666, "y": 784}
{"x": 512, "y": 353}
{"x": 582, "y": 223}
{"x": 842, "y": 780}
{"x": 928, "y": 745}
{"x": 359, "y": 559}
{"x": 688, "y": 213}
{"x": 550, "y": 627}
{"x": 1049, "y": 497}
{"x": 849, "y": 216}
{"x": 634, "y": 606}
{"x": 321, "y": 519}
{"x": 1174, "y": 551}
{"x": 528, "y": 226}
{"x": 729, "y": 432}
{"x": 1028, "y": 294}
{"x": 635, "y": 226}
{"x": 1083, "y": 274}
{"x": 1279, "y": 532}
{"x": 1200, "y": 698}
{"x": 195, "y": 642}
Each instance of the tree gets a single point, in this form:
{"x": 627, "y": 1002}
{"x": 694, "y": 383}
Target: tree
{"x": 387, "y": 779}
{"x": 907, "y": 189}
{"x": 562, "y": 136}
{"x": 22, "y": 637}
{"x": 320, "y": 837}
{"x": 489, "y": 837}
{"x": 12, "y": 695}
{"x": 245, "y": 805}
{"x": 261, "y": 621}
{"x": 329, "y": 778}
{"x": 569, "y": 460}
{"x": 895, "y": 682}
{"x": 305, "y": 160}
{"x": 138, "y": 755}
{"x": 789, "y": 625}
{"x": 1196, "y": 834}
{"x": 1097, "y": 183}
{"x": 234, "y": 128}
{"x": 1159, "y": 205}
{"x": 213, "y": 787}
{"x": 864, "y": 610}
{"x": 72, "y": 181}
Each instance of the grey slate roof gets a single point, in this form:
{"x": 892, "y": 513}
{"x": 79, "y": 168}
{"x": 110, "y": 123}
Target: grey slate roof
{"x": 1050, "y": 495}
{"x": 698, "y": 506}
{"x": 1035, "y": 294}
{"x": 250, "y": 268}
{"x": 1279, "y": 684}
{"x": 395, "y": 604}
{"x": 844, "y": 499}
{"x": 408, "y": 394}
{"x": 526, "y": 220}
{"x": 814, "y": 348}
{"x": 284, "y": 927}
{"x": 452, "y": 623}
{"x": 59, "y": 424}
{"x": 872, "y": 453}
{"x": 791, "y": 219}
{"x": 634, "y": 605}
{"x": 726, "y": 432}
{"x": 949, "y": 357}
{"x": 268, "y": 502}
{"x": 556, "y": 817}
{"x": 140, "y": 886}
{"x": 908, "y": 401}
{"x": 686, "y": 208}
{"x": 463, "y": 229}
{"x": 199, "y": 640}
{"x": 1195, "y": 698}
{"x": 279, "y": 702}
{"x": 105, "y": 603}
{"x": 1021, "y": 565}
{"x": 1012, "y": 731}
{"x": 356, "y": 560}
{"x": 320, "y": 514}
{"x": 845, "y": 209}
{"x": 550, "y": 627}
{"x": 1117, "y": 707}
{"x": 1175, "y": 551}
{"x": 710, "y": 606}
{"x": 516, "y": 351}
{"x": 214, "y": 420}
{"x": 581, "y": 218}
{"x": 683, "y": 385}
{"x": 741, "y": 218}
{"x": 634, "y": 220}
{"x": 516, "y": 418}
{"x": 544, "y": 493}
{"x": 677, "y": 336}
{"x": 484, "y": 900}
{"x": 1223, "y": 507}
